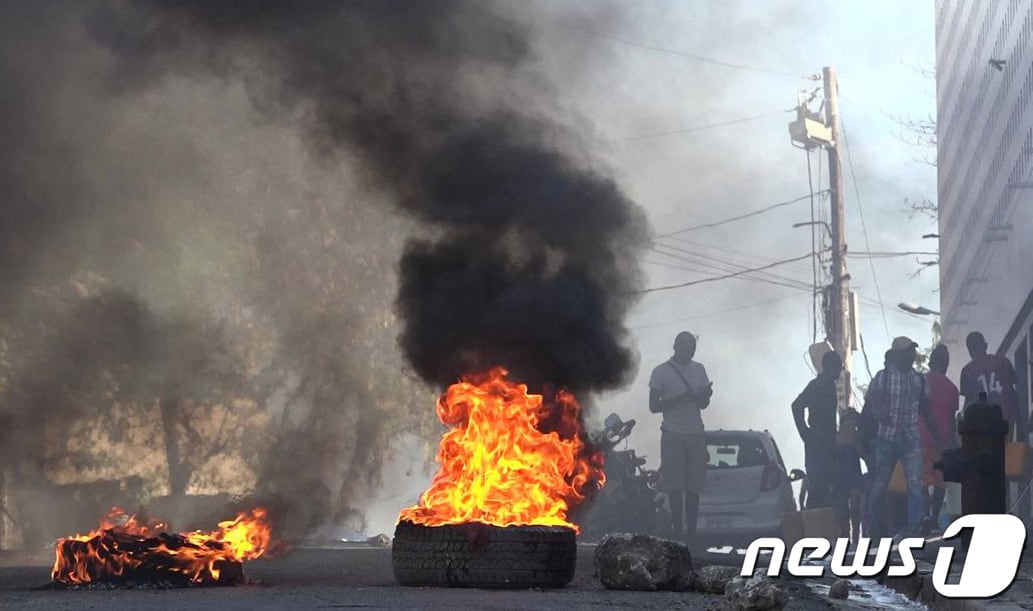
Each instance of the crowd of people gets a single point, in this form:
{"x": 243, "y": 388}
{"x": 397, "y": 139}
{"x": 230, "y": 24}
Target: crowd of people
{"x": 908, "y": 419}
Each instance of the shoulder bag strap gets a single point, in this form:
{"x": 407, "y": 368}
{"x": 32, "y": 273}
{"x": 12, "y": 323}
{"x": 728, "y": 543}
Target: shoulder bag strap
{"x": 680, "y": 375}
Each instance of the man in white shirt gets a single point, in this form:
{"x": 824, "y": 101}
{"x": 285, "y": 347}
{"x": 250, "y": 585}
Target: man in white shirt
{"x": 680, "y": 390}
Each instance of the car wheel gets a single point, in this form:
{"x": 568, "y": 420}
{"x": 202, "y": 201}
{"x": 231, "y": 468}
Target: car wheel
{"x": 483, "y": 556}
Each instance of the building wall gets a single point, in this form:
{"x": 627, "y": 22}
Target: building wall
{"x": 985, "y": 175}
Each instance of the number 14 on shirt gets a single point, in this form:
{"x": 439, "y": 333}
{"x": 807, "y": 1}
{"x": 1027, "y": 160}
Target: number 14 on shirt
{"x": 994, "y": 387}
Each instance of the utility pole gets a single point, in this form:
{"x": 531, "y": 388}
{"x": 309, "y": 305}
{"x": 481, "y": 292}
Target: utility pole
{"x": 840, "y": 328}
{"x": 811, "y": 131}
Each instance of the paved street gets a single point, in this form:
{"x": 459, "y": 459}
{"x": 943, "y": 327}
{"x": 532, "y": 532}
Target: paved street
{"x": 356, "y": 577}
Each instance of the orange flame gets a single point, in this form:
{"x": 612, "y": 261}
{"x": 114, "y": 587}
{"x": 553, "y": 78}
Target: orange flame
{"x": 511, "y": 457}
{"x": 123, "y": 545}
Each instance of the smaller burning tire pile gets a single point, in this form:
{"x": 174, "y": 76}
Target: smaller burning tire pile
{"x": 127, "y": 552}
{"x": 483, "y": 556}
{"x": 511, "y": 468}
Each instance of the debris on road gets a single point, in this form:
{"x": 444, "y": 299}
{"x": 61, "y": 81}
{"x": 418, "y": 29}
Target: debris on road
{"x": 756, "y": 594}
{"x": 840, "y": 590}
{"x": 380, "y": 540}
{"x": 713, "y": 579}
{"x": 641, "y": 562}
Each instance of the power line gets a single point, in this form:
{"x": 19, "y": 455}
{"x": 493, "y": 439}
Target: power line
{"x": 723, "y": 265}
{"x": 725, "y": 277}
{"x": 780, "y": 280}
{"x": 814, "y": 254}
{"x": 889, "y": 255}
{"x": 756, "y": 279}
{"x": 772, "y": 279}
{"x": 734, "y": 218}
{"x": 717, "y": 312}
{"x": 699, "y": 128}
{"x": 751, "y": 258}
{"x": 867, "y": 365}
{"x": 688, "y": 55}
{"x": 824, "y": 240}
{"x": 864, "y": 227}
{"x": 710, "y": 263}
{"x": 672, "y": 266}
{"x": 765, "y": 277}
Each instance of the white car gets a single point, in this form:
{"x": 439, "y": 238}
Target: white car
{"x": 746, "y": 490}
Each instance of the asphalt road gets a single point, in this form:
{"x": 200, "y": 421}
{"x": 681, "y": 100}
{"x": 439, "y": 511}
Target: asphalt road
{"x": 354, "y": 578}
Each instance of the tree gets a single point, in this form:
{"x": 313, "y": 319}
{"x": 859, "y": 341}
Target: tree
{"x": 921, "y": 134}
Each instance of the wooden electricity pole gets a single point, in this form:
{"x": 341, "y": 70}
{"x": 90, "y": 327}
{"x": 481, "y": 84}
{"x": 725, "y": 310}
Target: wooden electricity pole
{"x": 840, "y": 327}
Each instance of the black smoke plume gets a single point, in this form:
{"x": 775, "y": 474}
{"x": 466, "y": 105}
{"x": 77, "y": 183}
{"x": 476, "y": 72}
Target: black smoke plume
{"x": 533, "y": 262}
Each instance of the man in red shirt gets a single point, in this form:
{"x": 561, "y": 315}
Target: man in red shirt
{"x": 994, "y": 375}
{"x": 943, "y": 404}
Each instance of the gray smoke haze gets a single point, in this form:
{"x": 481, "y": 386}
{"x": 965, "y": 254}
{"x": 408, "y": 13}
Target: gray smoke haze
{"x": 199, "y": 210}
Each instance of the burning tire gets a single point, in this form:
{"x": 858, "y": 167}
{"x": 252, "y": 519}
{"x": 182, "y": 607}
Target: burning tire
{"x": 483, "y": 556}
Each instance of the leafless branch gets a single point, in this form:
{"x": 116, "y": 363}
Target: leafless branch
{"x": 925, "y": 207}
{"x": 924, "y": 266}
{"x": 919, "y": 133}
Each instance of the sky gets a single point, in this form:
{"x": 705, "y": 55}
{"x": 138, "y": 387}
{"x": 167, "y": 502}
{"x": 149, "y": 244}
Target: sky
{"x": 754, "y": 335}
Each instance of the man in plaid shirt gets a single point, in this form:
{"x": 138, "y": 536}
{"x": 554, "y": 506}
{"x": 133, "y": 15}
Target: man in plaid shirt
{"x": 899, "y": 395}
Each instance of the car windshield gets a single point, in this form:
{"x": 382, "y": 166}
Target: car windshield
{"x": 735, "y": 452}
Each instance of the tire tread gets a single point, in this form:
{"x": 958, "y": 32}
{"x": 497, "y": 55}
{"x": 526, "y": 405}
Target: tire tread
{"x": 501, "y": 557}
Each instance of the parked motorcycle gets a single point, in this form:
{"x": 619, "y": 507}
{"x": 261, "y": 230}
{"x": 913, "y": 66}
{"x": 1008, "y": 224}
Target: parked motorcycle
{"x": 630, "y": 501}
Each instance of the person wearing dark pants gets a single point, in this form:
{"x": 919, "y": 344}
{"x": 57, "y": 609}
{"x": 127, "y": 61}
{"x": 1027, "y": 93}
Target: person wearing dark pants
{"x": 679, "y": 389}
{"x": 900, "y": 396}
{"x": 849, "y": 483}
{"x": 817, "y": 429}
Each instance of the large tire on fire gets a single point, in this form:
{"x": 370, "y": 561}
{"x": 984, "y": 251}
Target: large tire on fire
{"x": 483, "y": 556}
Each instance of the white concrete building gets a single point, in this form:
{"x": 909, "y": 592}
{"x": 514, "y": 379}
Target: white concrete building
{"x": 984, "y": 95}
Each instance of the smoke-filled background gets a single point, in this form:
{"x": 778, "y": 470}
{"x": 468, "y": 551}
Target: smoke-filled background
{"x": 220, "y": 215}
{"x": 244, "y": 243}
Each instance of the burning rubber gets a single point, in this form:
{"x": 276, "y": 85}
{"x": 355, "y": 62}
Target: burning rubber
{"x": 511, "y": 468}
{"x": 125, "y": 551}
{"x": 483, "y": 556}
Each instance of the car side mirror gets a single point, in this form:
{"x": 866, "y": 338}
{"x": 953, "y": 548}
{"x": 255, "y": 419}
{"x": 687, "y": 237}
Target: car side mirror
{"x": 796, "y": 475}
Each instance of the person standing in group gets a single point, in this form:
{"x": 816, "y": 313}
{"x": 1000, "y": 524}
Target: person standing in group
{"x": 943, "y": 405}
{"x": 993, "y": 375}
{"x": 679, "y": 389}
{"x": 818, "y": 430}
{"x": 848, "y": 485}
{"x": 867, "y": 429}
{"x": 900, "y": 396}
